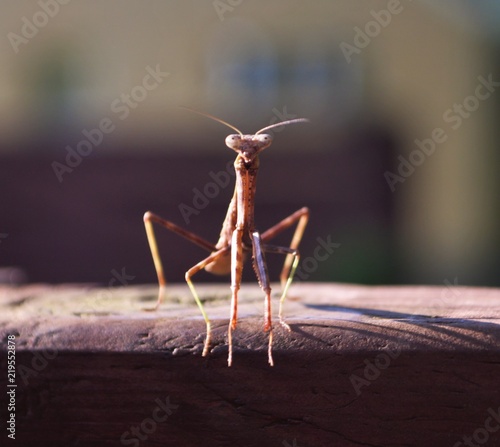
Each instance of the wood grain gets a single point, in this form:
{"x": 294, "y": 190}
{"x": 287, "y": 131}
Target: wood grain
{"x": 362, "y": 366}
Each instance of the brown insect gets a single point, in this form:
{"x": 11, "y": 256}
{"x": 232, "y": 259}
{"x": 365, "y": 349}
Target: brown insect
{"x": 239, "y": 237}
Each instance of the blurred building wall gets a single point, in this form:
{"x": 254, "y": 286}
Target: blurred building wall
{"x": 252, "y": 63}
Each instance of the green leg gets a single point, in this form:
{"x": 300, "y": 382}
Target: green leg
{"x": 189, "y": 274}
{"x": 295, "y": 256}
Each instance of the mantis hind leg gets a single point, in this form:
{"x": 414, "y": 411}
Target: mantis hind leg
{"x": 149, "y": 219}
{"x": 189, "y": 274}
{"x": 300, "y": 217}
{"x": 295, "y": 262}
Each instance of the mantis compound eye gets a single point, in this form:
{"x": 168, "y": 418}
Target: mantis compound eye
{"x": 264, "y": 140}
{"x": 233, "y": 141}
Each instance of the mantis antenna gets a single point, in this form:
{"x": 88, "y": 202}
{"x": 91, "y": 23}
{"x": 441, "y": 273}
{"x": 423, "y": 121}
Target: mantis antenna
{"x": 282, "y": 123}
{"x": 214, "y": 118}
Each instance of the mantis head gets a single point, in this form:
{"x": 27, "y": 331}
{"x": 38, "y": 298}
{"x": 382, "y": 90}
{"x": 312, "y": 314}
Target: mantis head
{"x": 248, "y": 146}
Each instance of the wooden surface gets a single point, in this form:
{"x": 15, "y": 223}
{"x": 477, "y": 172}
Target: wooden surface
{"x": 363, "y": 366}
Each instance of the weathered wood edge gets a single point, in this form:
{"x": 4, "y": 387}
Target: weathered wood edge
{"x": 362, "y": 366}
{"x": 338, "y": 318}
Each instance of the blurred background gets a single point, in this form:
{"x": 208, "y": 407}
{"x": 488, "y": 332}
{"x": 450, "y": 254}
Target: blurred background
{"x": 399, "y": 164}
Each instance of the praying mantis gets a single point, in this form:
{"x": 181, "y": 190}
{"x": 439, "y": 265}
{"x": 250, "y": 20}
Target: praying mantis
{"x": 239, "y": 237}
